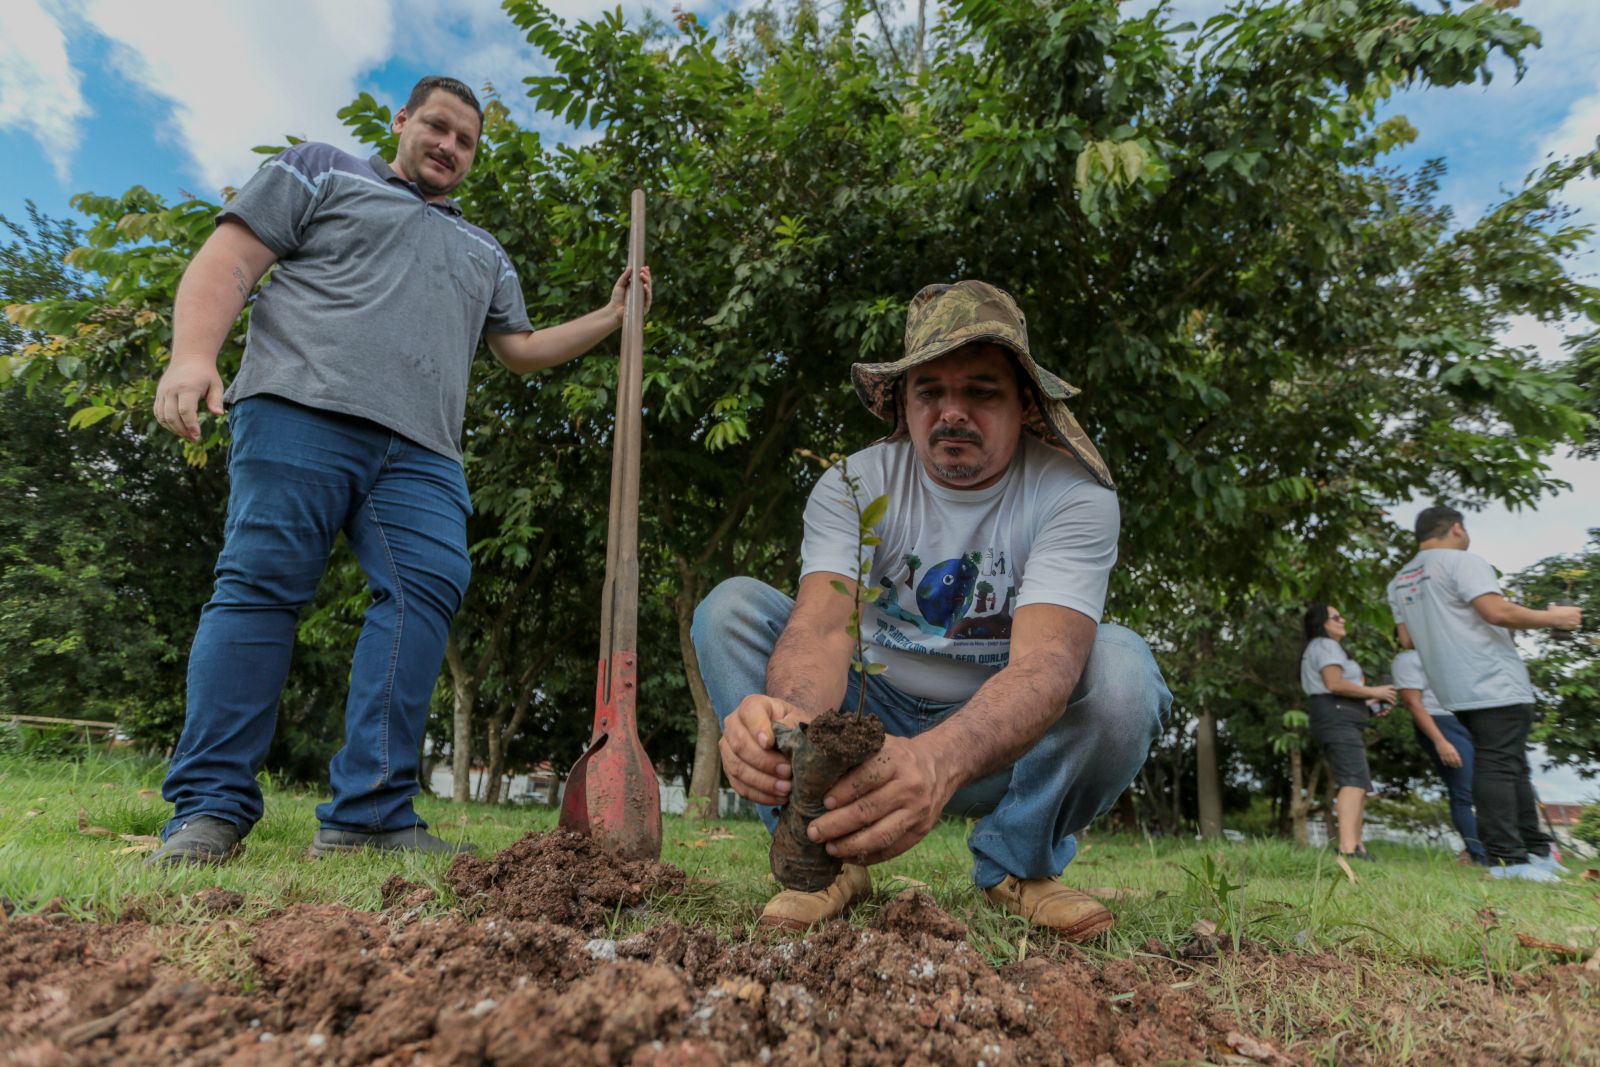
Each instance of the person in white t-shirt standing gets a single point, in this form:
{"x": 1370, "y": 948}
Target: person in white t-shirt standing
{"x": 1448, "y": 604}
{"x": 1003, "y": 693}
{"x": 1339, "y": 710}
{"x": 1446, "y": 741}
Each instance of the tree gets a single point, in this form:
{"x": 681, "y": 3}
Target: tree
{"x": 1566, "y": 669}
{"x": 94, "y": 572}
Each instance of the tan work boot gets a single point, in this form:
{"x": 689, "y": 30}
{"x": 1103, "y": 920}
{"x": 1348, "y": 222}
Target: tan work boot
{"x": 1072, "y": 913}
{"x": 794, "y": 910}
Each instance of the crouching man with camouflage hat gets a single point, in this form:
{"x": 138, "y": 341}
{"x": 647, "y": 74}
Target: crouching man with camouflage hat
{"x": 1003, "y": 694}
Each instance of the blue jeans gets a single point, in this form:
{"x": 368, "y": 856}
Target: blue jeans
{"x": 1030, "y": 810}
{"x": 298, "y": 478}
{"x": 1457, "y": 780}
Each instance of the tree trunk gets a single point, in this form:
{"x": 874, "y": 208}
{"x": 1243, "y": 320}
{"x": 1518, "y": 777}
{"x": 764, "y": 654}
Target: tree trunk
{"x": 1299, "y": 800}
{"x": 464, "y": 688}
{"x": 497, "y": 756}
{"x": 500, "y": 739}
{"x": 921, "y": 58}
{"x": 1208, "y": 783}
{"x": 1177, "y": 799}
{"x": 1329, "y": 820}
{"x": 706, "y": 776}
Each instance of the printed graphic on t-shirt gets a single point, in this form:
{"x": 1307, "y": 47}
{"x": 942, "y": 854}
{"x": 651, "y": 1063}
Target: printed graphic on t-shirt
{"x": 1407, "y": 586}
{"x": 967, "y": 598}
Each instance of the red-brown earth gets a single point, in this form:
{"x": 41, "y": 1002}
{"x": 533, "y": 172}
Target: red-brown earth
{"x": 521, "y": 972}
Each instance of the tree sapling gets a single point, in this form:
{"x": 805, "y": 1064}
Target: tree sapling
{"x": 829, "y": 746}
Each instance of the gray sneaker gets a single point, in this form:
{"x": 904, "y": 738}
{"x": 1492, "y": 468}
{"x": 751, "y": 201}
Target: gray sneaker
{"x": 412, "y": 839}
{"x": 202, "y": 839}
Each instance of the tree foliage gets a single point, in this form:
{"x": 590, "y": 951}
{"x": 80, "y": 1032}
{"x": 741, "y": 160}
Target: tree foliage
{"x": 1275, "y": 332}
{"x": 1566, "y": 667}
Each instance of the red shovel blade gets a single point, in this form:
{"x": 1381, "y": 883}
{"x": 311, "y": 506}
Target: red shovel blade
{"x": 612, "y": 792}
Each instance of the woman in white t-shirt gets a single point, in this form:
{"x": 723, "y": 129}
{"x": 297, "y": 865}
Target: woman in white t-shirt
{"x": 1338, "y": 709}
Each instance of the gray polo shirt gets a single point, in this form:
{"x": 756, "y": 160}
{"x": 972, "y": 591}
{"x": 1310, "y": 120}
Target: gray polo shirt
{"x": 378, "y": 298}
{"x": 1471, "y": 663}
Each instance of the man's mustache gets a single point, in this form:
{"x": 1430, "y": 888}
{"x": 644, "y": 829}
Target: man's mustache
{"x": 955, "y": 433}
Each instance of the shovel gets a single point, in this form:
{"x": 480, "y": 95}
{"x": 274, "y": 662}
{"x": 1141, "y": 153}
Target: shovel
{"x": 612, "y": 792}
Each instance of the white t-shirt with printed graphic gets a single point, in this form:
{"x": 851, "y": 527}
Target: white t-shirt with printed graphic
{"x": 1472, "y": 663}
{"x": 955, "y": 564}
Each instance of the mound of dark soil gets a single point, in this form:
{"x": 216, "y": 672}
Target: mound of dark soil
{"x": 559, "y": 877}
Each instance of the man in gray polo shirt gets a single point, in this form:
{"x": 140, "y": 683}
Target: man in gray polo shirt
{"x": 346, "y": 417}
{"x": 1448, "y": 605}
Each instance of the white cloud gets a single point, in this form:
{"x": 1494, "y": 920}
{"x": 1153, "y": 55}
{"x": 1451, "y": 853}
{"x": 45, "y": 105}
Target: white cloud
{"x": 1575, "y": 136}
{"x": 39, "y": 89}
{"x": 241, "y": 74}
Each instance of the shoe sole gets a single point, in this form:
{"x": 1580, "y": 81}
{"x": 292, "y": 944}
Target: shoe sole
{"x": 1087, "y": 930}
{"x": 195, "y": 859}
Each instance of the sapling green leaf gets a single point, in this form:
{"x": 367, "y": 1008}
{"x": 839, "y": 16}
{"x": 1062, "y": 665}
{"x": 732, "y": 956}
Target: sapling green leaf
{"x": 867, "y": 518}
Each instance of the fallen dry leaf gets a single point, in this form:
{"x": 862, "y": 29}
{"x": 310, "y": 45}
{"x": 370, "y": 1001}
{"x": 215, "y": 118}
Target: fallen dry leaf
{"x": 1529, "y": 941}
{"x": 1594, "y": 962}
{"x": 147, "y": 792}
{"x": 1344, "y": 865}
{"x": 32, "y": 813}
{"x": 698, "y": 842}
{"x": 150, "y": 847}
{"x": 85, "y": 828}
{"x": 717, "y": 833}
{"x": 1204, "y": 928}
{"x": 1256, "y": 1049}
{"x": 1590, "y": 874}
{"x": 1488, "y": 918}
{"x": 150, "y": 840}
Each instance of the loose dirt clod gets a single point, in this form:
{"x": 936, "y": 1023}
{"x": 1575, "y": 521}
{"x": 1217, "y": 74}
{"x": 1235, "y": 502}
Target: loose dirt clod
{"x": 559, "y": 877}
{"x": 820, "y": 753}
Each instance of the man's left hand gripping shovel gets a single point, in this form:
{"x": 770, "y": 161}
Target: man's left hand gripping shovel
{"x": 612, "y": 792}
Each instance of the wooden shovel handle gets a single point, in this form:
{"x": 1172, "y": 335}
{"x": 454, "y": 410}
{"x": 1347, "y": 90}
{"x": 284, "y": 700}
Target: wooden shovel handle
{"x": 619, "y": 610}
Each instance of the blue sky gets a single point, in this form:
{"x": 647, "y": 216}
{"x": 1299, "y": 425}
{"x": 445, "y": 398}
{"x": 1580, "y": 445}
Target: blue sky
{"x": 100, "y": 95}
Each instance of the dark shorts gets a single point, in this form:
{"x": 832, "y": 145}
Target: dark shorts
{"x": 1336, "y": 725}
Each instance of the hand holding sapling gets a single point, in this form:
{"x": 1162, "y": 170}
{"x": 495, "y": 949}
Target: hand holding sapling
{"x": 822, "y": 750}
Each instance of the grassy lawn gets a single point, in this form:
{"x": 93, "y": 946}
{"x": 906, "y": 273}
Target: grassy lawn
{"x": 1414, "y": 907}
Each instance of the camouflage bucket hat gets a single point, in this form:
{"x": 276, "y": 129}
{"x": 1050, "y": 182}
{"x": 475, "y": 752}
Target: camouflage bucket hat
{"x": 942, "y": 318}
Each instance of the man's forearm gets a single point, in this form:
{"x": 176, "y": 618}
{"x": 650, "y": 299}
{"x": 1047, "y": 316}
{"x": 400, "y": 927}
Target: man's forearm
{"x": 1420, "y": 716}
{"x": 210, "y": 296}
{"x": 555, "y": 345}
{"x": 1006, "y": 717}
{"x": 808, "y": 669}
{"x": 1517, "y": 617}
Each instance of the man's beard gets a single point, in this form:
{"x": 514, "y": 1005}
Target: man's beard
{"x": 954, "y": 472}
{"x": 959, "y": 472}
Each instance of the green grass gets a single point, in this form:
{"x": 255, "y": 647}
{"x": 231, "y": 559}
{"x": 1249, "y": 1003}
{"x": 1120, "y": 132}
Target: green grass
{"x": 1414, "y": 907}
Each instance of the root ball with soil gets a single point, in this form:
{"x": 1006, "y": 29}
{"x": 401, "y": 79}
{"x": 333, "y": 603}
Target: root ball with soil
{"x": 820, "y": 753}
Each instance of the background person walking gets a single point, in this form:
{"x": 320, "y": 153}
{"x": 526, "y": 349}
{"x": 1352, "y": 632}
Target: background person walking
{"x": 1448, "y": 604}
{"x": 1339, "y": 714}
{"x": 1446, "y": 741}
